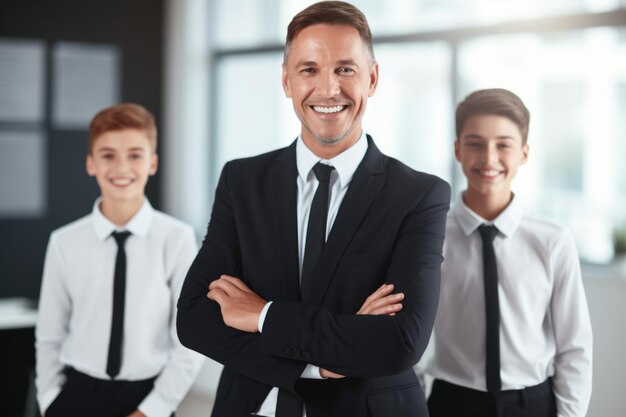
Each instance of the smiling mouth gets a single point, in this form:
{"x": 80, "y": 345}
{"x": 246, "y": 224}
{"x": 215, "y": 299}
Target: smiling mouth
{"x": 121, "y": 182}
{"x": 329, "y": 109}
{"x": 489, "y": 173}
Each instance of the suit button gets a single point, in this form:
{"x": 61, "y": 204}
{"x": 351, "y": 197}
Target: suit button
{"x": 252, "y": 404}
{"x": 306, "y": 355}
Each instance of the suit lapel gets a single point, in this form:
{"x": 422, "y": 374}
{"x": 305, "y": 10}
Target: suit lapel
{"x": 284, "y": 207}
{"x": 368, "y": 180}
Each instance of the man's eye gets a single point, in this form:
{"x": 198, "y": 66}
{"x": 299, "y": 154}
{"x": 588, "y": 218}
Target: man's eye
{"x": 345, "y": 70}
{"x": 308, "y": 70}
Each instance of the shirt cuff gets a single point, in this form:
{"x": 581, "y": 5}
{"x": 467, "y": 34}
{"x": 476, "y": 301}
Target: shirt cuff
{"x": 311, "y": 372}
{"x": 155, "y": 406}
{"x": 263, "y": 314}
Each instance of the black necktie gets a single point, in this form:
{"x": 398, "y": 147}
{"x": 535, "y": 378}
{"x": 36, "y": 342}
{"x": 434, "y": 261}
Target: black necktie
{"x": 114, "y": 362}
{"x": 316, "y": 229}
{"x": 492, "y": 309}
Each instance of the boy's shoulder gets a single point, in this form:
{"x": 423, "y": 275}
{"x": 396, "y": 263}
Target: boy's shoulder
{"x": 170, "y": 225}
{"x": 541, "y": 223}
{"x": 72, "y": 230}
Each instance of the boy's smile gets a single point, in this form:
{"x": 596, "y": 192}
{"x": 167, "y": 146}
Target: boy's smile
{"x": 490, "y": 150}
{"x": 122, "y": 161}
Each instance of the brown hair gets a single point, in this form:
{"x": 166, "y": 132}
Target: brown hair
{"x": 330, "y": 13}
{"x": 123, "y": 116}
{"x": 496, "y": 101}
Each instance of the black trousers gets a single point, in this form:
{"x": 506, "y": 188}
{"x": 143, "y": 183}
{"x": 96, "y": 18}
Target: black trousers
{"x": 83, "y": 395}
{"x": 449, "y": 400}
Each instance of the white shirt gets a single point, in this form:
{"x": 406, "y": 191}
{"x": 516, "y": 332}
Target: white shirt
{"x": 76, "y": 304}
{"x": 544, "y": 321}
{"x": 345, "y": 165}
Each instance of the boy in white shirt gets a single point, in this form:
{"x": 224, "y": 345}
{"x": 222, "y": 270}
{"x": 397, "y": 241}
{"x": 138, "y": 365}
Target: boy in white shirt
{"x": 512, "y": 334}
{"x": 106, "y": 339}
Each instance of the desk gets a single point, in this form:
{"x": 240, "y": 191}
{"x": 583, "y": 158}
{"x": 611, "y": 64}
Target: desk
{"x": 18, "y": 317}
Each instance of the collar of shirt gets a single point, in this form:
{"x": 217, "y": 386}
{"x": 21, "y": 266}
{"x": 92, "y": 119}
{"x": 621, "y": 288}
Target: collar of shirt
{"x": 507, "y": 222}
{"x": 345, "y": 163}
{"x": 139, "y": 225}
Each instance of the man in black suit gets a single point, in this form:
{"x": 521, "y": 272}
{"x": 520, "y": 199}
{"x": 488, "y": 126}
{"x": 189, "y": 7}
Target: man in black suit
{"x": 293, "y": 326}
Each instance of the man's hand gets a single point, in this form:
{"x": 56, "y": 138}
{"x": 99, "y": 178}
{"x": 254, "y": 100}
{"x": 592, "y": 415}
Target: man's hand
{"x": 137, "y": 413}
{"x": 240, "y": 306}
{"x": 382, "y": 301}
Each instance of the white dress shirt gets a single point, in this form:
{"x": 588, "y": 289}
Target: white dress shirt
{"x": 76, "y": 304}
{"x": 544, "y": 321}
{"x": 345, "y": 165}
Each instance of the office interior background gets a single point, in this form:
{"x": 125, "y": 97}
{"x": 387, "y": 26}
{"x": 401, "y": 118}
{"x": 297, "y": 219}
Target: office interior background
{"x": 210, "y": 72}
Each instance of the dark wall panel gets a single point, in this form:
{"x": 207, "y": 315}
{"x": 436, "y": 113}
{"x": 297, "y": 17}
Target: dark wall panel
{"x": 136, "y": 28}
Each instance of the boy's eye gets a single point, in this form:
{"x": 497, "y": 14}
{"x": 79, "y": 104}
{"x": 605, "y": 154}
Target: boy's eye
{"x": 135, "y": 156}
{"x": 107, "y": 156}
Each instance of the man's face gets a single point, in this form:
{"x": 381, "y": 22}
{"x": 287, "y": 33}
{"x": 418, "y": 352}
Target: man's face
{"x": 122, "y": 161}
{"x": 329, "y": 74}
{"x": 490, "y": 150}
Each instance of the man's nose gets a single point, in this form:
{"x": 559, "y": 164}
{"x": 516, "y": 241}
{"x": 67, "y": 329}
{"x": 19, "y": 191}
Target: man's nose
{"x": 329, "y": 85}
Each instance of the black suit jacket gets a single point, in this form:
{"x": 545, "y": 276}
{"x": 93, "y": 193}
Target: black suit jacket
{"x": 389, "y": 228}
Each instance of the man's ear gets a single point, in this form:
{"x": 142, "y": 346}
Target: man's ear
{"x": 285, "y": 82}
{"x": 373, "y": 79}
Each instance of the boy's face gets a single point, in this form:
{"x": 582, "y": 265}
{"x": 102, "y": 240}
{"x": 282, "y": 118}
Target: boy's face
{"x": 490, "y": 151}
{"x": 122, "y": 161}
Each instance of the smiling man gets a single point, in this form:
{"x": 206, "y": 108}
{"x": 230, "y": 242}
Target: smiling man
{"x": 317, "y": 282}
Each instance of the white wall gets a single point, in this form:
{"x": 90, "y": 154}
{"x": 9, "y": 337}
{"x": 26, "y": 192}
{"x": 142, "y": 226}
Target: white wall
{"x": 606, "y": 298}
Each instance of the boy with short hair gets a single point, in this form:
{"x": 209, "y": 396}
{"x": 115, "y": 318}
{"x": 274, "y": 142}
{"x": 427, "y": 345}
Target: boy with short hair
{"x": 512, "y": 334}
{"x": 106, "y": 338}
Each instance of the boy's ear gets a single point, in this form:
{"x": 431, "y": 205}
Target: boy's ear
{"x": 525, "y": 153}
{"x": 154, "y": 164}
{"x": 457, "y": 150}
{"x": 89, "y": 166}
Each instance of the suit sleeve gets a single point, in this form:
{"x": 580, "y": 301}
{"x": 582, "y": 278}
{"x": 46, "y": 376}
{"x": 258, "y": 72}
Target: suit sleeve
{"x": 367, "y": 345}
{"x": 199, "y": 321}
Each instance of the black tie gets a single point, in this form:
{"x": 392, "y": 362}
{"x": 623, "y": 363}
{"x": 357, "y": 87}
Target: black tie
{"x": 316, "y": 229}
{"x": 114, "y": 362}
{"x": 492, "y": 310}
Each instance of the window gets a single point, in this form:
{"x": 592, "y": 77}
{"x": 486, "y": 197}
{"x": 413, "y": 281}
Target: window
{"x": 565, "y": 58}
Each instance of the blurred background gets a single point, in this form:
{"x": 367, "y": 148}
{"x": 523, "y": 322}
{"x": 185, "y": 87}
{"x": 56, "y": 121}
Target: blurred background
{"x": 210, "y": 72}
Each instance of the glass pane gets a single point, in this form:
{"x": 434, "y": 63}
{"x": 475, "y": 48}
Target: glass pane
{"x": 574, "y": 86}
{"x": 255, "y": 22}
{"x": 410, "y": 114}
{"x": 253, "y": 115}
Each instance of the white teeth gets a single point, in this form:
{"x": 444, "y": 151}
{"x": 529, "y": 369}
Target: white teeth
{"x": 322, "y": 109}
{"x": 490, "y": 172}
{"x": 121, "y": 181}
